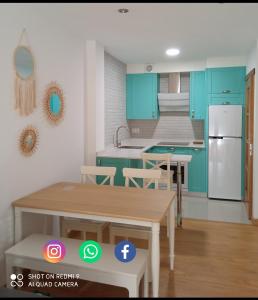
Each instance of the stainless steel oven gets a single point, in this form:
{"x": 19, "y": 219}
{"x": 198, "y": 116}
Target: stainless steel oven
{"x": 184, "y": 175}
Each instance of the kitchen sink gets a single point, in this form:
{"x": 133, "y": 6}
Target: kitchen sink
{"x": 131, "y": 147}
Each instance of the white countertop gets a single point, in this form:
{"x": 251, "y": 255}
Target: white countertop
{"x": 111, "y": 151}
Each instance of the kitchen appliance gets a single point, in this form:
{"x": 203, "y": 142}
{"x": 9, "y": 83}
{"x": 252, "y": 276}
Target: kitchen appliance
{"x": 184, "y": 176}
{"x": 173, "y": 143}
{"x": 175, "y": 99}
{"x": 225, "y": 154}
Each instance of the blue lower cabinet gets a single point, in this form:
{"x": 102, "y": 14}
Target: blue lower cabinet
{"x": 197, "y": 181}
{"x": 118, "y": 163}
{"x": 197, "y": 171}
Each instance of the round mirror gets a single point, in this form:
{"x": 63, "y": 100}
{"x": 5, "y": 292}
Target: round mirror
{"x": 23, "y": 61}
{"x": 54, "y": 103}
{"x": 28, "y": 140}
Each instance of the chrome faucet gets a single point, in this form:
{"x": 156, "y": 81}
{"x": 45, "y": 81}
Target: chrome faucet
{"x": 116, "y": 142}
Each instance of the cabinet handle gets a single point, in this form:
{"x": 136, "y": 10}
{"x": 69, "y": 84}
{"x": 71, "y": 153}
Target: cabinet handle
{"x": 226, "y": 103}
{"x": 226, "y": 91}
{"x": 196, "y": 149}
{"x": 171, "y": 148}
{"x": 193, "y": 113}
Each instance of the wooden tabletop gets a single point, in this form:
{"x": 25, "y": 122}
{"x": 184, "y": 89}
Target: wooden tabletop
{"x": 102, "y": 200}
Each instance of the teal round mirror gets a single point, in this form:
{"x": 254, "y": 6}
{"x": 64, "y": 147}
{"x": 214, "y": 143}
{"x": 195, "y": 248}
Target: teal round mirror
{"x": 55, "y": 104}
{"x": 23, "y": 61}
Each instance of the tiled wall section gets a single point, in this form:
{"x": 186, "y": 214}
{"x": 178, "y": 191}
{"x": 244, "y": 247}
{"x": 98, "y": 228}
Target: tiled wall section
{"x": 170, "y": 126}
{"x": 115, "y": 98}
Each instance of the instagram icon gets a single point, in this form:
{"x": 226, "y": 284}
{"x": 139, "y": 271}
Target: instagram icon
{"x": 54, "y": 251}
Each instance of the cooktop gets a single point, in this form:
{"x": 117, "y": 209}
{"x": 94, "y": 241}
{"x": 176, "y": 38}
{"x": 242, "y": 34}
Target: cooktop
{"x": 173, "y": 143}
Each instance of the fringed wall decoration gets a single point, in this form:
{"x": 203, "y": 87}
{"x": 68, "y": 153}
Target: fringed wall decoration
{"x": 53, "y": 103}
{"x": 25, "y": 83}
{"x": 28, "y": 140}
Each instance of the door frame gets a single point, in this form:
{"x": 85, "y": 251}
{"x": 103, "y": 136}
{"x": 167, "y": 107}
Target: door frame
{"x": 249, "y": 137}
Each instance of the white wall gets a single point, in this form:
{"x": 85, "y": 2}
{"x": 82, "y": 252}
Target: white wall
{"x": 58, "y": 57}
{"x": 94, "y": 101}
{"x": 187, "y": 66}
{"x": 252, "y": 62}
{"x": 115, "y": 98}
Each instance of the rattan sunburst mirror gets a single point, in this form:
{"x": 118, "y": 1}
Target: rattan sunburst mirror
{"x": 28, "y": 141}
{"x": 54, "y": 103}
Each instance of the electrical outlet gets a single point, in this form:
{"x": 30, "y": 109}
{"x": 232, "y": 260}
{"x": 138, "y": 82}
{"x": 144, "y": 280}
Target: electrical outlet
{"x": 135, "y": 130}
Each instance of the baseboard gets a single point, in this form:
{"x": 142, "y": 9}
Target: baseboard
{"x": 254, "y": 222}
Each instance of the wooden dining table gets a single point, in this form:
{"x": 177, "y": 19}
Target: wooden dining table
{"x": 124, "y": 205}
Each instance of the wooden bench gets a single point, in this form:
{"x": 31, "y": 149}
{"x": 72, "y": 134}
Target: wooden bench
{"x": 108, "y": 270}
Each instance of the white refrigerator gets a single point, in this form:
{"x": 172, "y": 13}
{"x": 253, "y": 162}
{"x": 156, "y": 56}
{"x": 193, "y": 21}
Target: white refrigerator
{"x": 225, "y": 152}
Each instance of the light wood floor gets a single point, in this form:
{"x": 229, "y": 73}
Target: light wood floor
{"x": 212, "y": 259}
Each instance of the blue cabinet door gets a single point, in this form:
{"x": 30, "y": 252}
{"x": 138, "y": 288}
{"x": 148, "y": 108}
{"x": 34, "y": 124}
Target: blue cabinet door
{"x": 142, "y": 96}
{"x": 198, "y": 97}
{"x": 118, "y": 163}
{"x": 197, "y": 171}
{"x": 230, "y": 99}
{"x": 226, "y": 81}
{"x": 197, "y": 179}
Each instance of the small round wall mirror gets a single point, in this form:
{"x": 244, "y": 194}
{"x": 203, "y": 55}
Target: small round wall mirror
{"x": 54, "y": 103}
{"x": 28, "y": 141}
{"x": 23, "y": 61}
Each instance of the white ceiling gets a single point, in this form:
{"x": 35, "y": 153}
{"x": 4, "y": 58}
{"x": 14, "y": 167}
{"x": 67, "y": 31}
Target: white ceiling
{"x": 200, "y": 30}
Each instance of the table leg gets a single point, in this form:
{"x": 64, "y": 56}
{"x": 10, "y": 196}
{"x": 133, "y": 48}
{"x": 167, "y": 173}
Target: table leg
{"x": 171, "y": 221}
{"x": 179, "y": 195}
{"x": 56, "y": 226}
{"x": 17, "y": 224}
{"x": 155, "y": 259}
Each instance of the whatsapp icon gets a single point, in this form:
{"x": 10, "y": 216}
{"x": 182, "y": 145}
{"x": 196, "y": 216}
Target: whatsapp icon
{"x": 90, "y": 251}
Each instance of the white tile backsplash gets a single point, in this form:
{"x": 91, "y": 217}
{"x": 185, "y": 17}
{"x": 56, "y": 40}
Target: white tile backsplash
{"x": 115, "y": 98}
{"x": 168, "y": 126}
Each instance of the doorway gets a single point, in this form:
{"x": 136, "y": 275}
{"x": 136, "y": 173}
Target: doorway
{"x": 249, "y": 133}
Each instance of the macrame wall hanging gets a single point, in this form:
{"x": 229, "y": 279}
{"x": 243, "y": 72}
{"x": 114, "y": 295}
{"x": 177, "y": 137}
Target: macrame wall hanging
{"x": 25, "y": 83}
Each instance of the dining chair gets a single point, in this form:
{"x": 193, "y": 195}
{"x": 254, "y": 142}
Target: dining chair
{"x": 160, "y": 161}
{"x": 132, "y": 231}
{"x": 88, "y": 175}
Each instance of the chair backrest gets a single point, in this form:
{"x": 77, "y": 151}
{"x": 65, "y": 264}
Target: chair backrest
{"x": 148, "y": 176}
{"x": 154, "y": 161}
{"x": 90, "y": 172}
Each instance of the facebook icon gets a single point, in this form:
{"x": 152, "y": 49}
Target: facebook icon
{"x": 125, "y": 251}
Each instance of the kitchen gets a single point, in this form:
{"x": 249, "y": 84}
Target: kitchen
{"x": 109, "y": 90}
{"x": 168, "y": 112}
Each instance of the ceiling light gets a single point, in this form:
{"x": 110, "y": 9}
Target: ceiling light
{"x": 172, "y": 52}
{"x": 123, "y": 10}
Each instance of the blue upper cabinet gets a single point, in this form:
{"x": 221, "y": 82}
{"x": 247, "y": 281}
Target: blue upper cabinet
{"x": 198, "y": 98}
{"x": 226, "y": 80}
{"x": 226, "y": 85}
{"x": 142, "y": 96}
